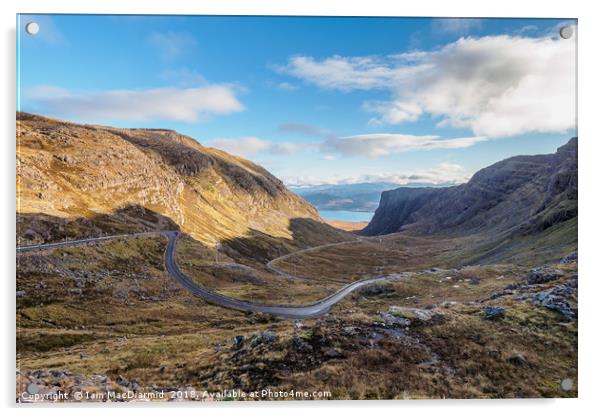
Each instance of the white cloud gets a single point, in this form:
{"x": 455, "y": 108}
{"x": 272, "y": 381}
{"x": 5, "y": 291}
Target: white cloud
{"x": 184, "y": 77}
{"x": 392, "y": 112}
{"x": 363, "y": 145}
{"x": 443, "y": 174}
{"x": 160, "y": 104}
{"x": 342, "y": 73}
{"x": 301, "y": 128}
{"x": 495, "y": 85}
{"x": 456, "y": 25}
{"x": 374, "y": 145}
{"x": 172, "y": 44}
{"x": 242, "y": 146}
{"x": 287, "y": 86}
{"x": 249, "y": 146}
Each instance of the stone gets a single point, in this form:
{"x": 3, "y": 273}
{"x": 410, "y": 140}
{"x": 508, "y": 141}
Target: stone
{"x": 350, "y": 330}
{"x": 493, "y": 312}
{"x": 333, "y": 353}
{"x": 40, "y": 374}
{"x": 554, "y": 302}
{"x": 501, "y": 293}
{"x": 541, "y": 275}
{"x": 518, "y": 359}
{"x": 413, "y": 314}
{"x": 238, "y": 341}
{"x": 265, "y": 337}
{"x": 391, "y": 320}
{"x": 122, "y": 381}
{"x": 571, "y": 258}
{"x": 135, "y": 385}
{"x": 57, "y": 374}
{"x": 300, "y": 345}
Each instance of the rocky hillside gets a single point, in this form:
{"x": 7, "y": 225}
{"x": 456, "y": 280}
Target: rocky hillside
{"x": 519, "y": 196}
{"x": 74, "y": 180}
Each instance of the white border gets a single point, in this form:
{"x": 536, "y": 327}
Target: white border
{"x": 590, "y": 202}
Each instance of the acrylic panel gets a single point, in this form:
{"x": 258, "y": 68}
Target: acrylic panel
{"x": 295, "y": 208}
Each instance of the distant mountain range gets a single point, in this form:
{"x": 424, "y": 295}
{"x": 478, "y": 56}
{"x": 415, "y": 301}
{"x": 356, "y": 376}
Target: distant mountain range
{"x": 359, "y": 197}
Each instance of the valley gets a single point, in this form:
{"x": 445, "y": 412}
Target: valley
{"x": 465, "y": 291}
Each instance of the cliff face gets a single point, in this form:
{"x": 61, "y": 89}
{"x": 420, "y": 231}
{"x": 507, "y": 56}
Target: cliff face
{"x": 97, "y": 176}
{"x": 521, "y": 195}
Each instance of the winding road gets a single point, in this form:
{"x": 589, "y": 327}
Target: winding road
{"x": 297, "y": 312}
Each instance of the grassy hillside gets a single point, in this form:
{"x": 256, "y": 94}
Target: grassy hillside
{"x": 116, "y": 321}
{"x": 75, "y": 180}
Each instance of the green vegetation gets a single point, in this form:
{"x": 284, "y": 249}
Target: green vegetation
{"x": 141, "y": 325}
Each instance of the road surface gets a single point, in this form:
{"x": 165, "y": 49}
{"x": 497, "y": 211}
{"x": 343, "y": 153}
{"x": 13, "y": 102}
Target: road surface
{"x": 25, "y": 249}
{"x": 297, "y": 312}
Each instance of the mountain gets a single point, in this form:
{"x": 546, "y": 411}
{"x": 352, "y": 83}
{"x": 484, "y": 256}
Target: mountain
{"x": 75, "y": 180}
{"x": 519, "y": 196}
{"x": 362, "y": 197}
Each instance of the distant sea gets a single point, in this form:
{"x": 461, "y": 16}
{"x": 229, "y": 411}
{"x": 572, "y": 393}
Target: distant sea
{"x": 351, "y": 216}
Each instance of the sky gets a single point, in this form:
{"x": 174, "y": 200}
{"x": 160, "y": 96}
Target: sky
{"x": 315, "y": 100}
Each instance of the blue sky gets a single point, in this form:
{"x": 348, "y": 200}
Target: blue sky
{"x": 315, "y": 100}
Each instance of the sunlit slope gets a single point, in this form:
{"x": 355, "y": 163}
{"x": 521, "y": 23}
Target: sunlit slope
{"x": 152, "y": 178}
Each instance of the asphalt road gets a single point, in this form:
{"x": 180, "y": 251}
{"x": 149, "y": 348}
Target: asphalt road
{"x": 298, "y": 312}
{"x": 25, "y": 249}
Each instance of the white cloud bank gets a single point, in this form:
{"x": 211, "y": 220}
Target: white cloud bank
{"x": 443, "y": 174}
{"x": 375, "y": 145}
{"x": 496, "y": 85}
{"x": 249, "y": 146}
{"x": 363, "y": 145}
{"x": 159, "y": 104}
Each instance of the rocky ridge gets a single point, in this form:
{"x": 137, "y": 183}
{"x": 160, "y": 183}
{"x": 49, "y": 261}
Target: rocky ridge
{"x": 100, "y": 178}
{"x": 520, "y": 195}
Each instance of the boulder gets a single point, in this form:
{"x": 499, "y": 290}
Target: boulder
{"x": 549, "y": 299}
{"x": 266, "y": 337}
{"x": 518, "y": 359}
{"x": 300, "y": 345}
{"x": 571, "y": 258}
{"x": 122, "y": 381}
{"x": 494, "y": 312}
{"x": 238, "y": 341}
{"x": 413, "y": 314}
{"x": 391, "y": 320}
{"x": 541, "y": 275}
{"x": 333, "y": 353}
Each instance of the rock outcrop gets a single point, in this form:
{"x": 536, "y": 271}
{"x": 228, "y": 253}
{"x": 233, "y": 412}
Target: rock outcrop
{"x": 522, "y": 195}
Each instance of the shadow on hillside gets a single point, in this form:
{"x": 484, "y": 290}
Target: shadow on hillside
{"x": 261, "y": 247}
{"x": 40, "y": 228}
{"x": 254, "y": 249}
